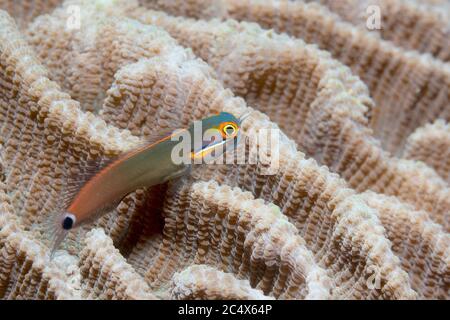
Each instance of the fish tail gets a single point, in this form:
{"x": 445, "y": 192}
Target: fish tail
{"x": 53, "y": 228}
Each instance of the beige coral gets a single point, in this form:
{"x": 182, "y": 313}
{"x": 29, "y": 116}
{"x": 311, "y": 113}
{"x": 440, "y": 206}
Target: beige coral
{"x": 24, "y": 269}
{"x": 249, "y": 239}
{"x": 282, "y": 76}
{"x": 106, "y": 274}
{"x": 255, "y": 241}
{"x": 409, "y": 89}
{"x": 348, "y": 94}
{"x": 25, "y": 11}
{"x": 300, "y": 233}
{"x": 85, "y": 65}
{"x": 409, "y": 24}
{"x": 431, "y": 144}
{"x": 44, "y": 133}
{"x": 415, "y": 238}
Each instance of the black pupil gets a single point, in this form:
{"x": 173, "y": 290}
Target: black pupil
{"x": 67, "y": 223}
{"x": 229, "y": 130}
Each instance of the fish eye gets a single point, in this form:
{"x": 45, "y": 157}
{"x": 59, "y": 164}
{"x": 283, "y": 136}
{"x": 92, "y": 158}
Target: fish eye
{"x": 68, "y": 222}
{"x": 229, "y": 130}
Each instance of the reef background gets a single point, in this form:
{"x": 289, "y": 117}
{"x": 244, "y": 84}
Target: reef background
{"x": 359, "y": 208}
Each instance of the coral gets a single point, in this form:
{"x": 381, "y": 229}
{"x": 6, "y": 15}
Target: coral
{"x": 248, "y": 238}
{"x": 431, "y": 144}
{"x": 409, "y": 24}
{"x": 25, "y": 272}
{"x": 25, "y": 11}
{"x": 205, "y": 282}
{"x": 106, "y": 274}
{"x": 409, "y": 89}
{"x": 350, "y": 212}
{"x": 416, "y": 238}
{"x": 330, "y": 105}
{"x": 85, "y": 66}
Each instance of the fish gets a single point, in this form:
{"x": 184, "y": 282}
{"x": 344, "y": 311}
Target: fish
{"x": 147, "y": 165}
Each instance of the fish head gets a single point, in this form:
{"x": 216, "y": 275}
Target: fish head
{"x": 220, "y": 133}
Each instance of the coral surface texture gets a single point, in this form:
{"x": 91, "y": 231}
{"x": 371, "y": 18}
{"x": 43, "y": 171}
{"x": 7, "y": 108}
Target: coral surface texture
{"x": 358, "y": 206}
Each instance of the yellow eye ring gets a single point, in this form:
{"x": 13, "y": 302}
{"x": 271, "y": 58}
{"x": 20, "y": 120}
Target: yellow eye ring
{"x": 229, "y": 130}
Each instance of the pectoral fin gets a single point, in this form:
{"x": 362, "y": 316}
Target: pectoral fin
{"x": 177, "y": 174}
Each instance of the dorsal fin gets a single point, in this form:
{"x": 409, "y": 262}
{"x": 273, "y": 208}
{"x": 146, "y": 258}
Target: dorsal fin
{"x": 92, "y": 167}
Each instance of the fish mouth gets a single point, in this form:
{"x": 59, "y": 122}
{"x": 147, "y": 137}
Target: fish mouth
{"x": 244, "y": 115}
{"x": 218, "y": 147}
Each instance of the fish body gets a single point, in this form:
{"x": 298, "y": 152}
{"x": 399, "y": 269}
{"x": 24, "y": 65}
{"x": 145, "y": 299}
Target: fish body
{"x": 146, "y": 166}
